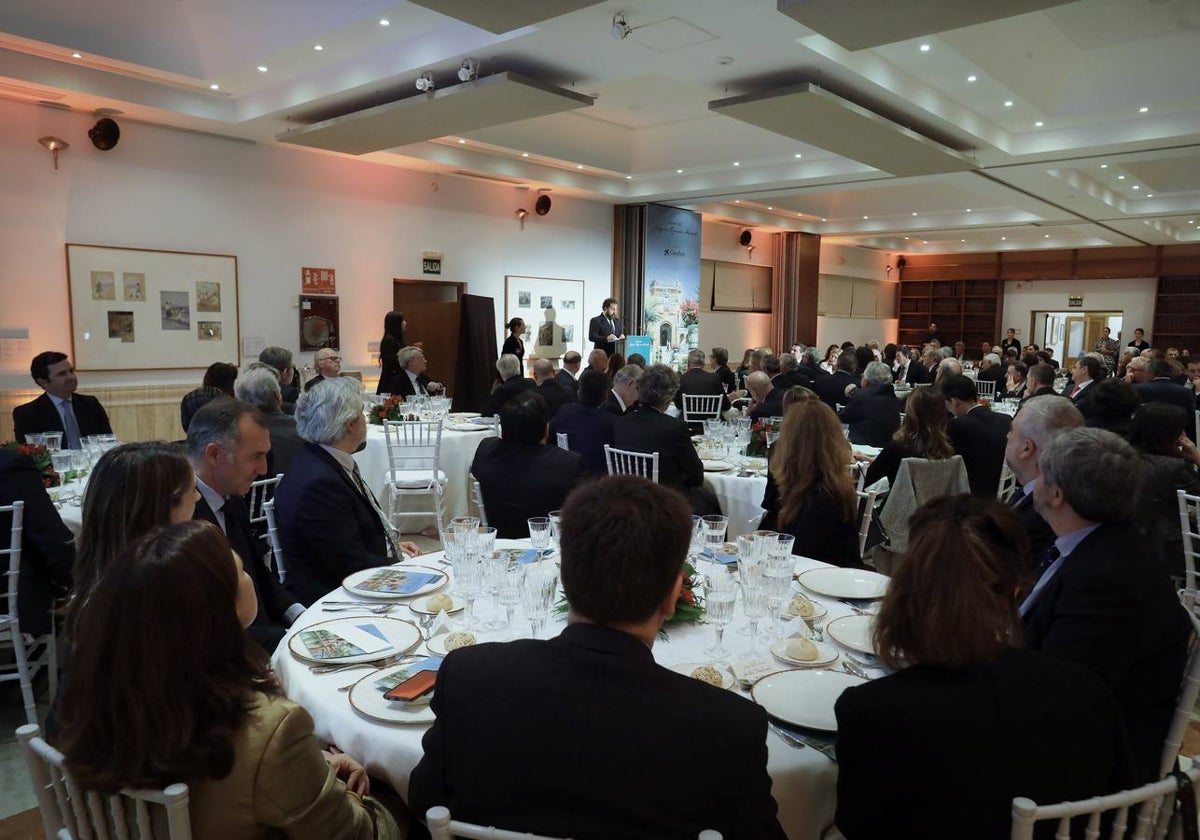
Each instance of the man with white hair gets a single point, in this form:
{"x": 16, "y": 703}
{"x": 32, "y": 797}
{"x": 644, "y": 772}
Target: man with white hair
{"x": 511, "y": 384}
{"x": 766, "y": 400}
{"x": 623, "y": 396}
{"x": 991, "y": 370}
{"x": 1035, "y": 424}
{"x": 411, "y": 379}
{"x": 260, "y": 388}
{"x": 697, "y": 381}
{"x": 549, "y": 388}
{"x": 873, "y": 414}
{"x": 328, "y": 363}
{"x": 330, "y": 523}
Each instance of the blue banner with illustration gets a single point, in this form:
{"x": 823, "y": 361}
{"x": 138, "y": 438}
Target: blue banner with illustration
{"x": 671, "y": 311}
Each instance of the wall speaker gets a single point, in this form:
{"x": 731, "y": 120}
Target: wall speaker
{"x": 542, "y": 206}
{"x": 744, "y": 238}
{"x": 105, "y": 134}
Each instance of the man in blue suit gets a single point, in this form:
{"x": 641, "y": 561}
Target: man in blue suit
{"x": 605, "y": 330}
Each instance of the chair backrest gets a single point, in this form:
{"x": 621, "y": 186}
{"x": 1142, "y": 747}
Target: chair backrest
{"x": 477, "y": 494}
{"x": 273, "y": 540}
{"x": 413, "y": 444}
{"x": 562, "y": 441}
{"x": 12, "y": 552}
{"x": 1188, "y": 691}
{"x": 624, "y": 462}
{"x": 1189, "y": 526}
{"x": 68, "y": 811}
{"x": 260, "y": 492}
{"x": 1147, "y": 809}
{"x": 865, "y": 525}
{"x": 917, "y": 481}
{"x": 441, "y": 827}
{"x": 1008, "y": 484}
{"x": 700, "y": 407}
{"x": 985, "y": 387}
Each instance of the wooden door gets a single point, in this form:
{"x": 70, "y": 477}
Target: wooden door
{"x": 431, "y": 309}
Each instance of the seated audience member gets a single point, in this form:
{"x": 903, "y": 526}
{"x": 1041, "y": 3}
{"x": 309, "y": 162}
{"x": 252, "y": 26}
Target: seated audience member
{"x": 615, "y": 362}
{"x": 587, "y": 426}
{"x": 261, "y": 389}
{"x": 962, "y": 685}
{"x": 281, "y": 359}
{"x": 743, "y": 369}
{"x": 1159, "y": 434}
{"x": 1179, "y": 374}
{"x": 549, "y": 388}
{"x": 1047, "y": 357}
{"x": 1106, "y": 601}
{"x": 568, "y": 374}
{"x": 328, "y": 363}
{"x": 47, "y": 545}
{"x": 411, "y": 380}
{"x": 1015, "y": 382}
{"x": 863, "y": 357}
{"x": 650, "y": 429}
{"x": 835, "y": 389}
{"x": 1193, "y": 376}
{"x": 908, "y": 369}
{"x": 1040, "y": 383}
{"x": 330, "y": 523}
{"x": 978, "y": 435}
{"x": 949, "y": 366}
{"x": 798, "y": 393}
{"x": 59, "y": 408}
{"x": 992, "y": 370}
{"x": 220, "y": 375}
{"x": 512, "y": 382}
{"x": 931, "y": 361}
{"x": 720, "y": 366}
{"x": 228, "y": 443}
{"x": 598, "y": 361}
{"x": 772, "y": 366}
{"x": 791, "y": 374}
{"x": 1152, "y": 381}
{"x": 1035, "y": 424}
{"x": 1086, "y": 373}
{"x": 873, "y": 414}
{"x": 623, "y": 545}
{"x": 622, "y": 398}
{"x": 195, "y": 400}
{"x": 1127, "y": 356}
{"x": 960, "y": 351}
{"x": 520, "y": 474}
{"x": 697, "y": 381}
{"x": 766, "y": 400}
{"x": 636, "y": 359}
{"x": 810, "y": 364}
{"x": 810, "y": 493}
{"x": 923, "y": 434}
{"x": 829, "y": 361}
{"x": 756, "y": 357}
{"x": 1111, "y": 406}
{"x": 213, "y": 715}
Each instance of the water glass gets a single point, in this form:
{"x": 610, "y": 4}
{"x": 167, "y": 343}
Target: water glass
{"x": 485, "y": 541}
{"x": 468, "y": 580}
{"x": 52, "y": 441}
{"x": 510, "y": 586}
{"x": 846, "y": 431}
{"x": 35, "y": 438}
{"x": 541, "y": 585}
{"x": 539, "y": 532}
{"x": 777, "y": 580}
{"x": 719, "y": 597}
{"x": 62, "y": 461}
{"x": 714, "y": 531}
{"x": 697, "y": 543}
{"x": 754, "y": 598}
{"x": 555, "y": 517}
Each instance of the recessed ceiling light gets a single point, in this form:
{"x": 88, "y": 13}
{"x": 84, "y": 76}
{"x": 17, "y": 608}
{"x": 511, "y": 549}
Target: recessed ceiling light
{"x": 971, "y": 78}
{"x": 1143, "y": 109}
{"x": 823, "y": 219}
{"x": 318, "y": 47}
{"x": 906, "y": 239}
{"x": 579, "y": 166}
{"x": 461, "y": 141}
{"x": 76, "y": 55}
{"x": 737, "y": 201}
{"x": 214, "y": 86}
{"x": 1008, "y": 103}
{"x": 628, "y": 177}
{"x": 866, "y": 217}
{"x": 770, "y": 208}
{"x": 1191, "y": 221}
{"x": 962, "y": 240}
{"x": 924, "y": 241}
{"x": 1136, "y": 187}
{"x": 678, "y": 171}
{"x": 914, "y": 214}
{"x": 798, "y": 155}
{"x": 1045, "y": 236}
{"x": 524, "y": 154}
{"x": 924, "y": 48}
{"x": 968, "y": 209}
{"x": 1149, "y": 195}
{"x": 1038, "y": 124}
{"x": 737, "y": 163}
{"x": 1003, "y": 238}
{"x": 262, "y": 68}
{"x": 384, "y": 22}
{"x": 1120, "y": 177}
{"x": 1104, "y": 166}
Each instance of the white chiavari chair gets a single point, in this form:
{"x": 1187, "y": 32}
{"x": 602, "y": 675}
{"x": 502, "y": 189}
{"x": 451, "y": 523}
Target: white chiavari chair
{"x": 1008, "y": 484}
{"x": 1188, "y": 691}
{"x": 442, "y": 827}
{"x": 477, "y": 495}
{"x": 414, "y": 451}
{"x": 30, "y": 654}
{"x": 1189, "y": 526}
{"x": 562, "y": 441}
{"x": 868, "y": 496}
{"x": 700, "y": 407}
{"x": 623, "y": 462}
{"x": 985, "y": 388}
{"x": 261, "y": 492}
{"x": 273, "y": 541}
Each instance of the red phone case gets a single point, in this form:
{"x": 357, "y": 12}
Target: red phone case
{"x": 413, "y": 687}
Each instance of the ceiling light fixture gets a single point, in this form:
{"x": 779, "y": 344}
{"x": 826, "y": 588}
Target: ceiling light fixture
{"x": 468, "y": 70}
{"x": 1143, "y": 109}
{"x": 620, "y": 27}
{"x": 318, "y": 47}
{"x": 579, "y": 166}
{"x": 924, "y": 48}
{"x": 384, "y": 22}
{"x": 1120, "y": 177}
{"x": 1104, "y": 166}
{"x": 1003, "y": 238}
{"x": 76, "y": 55}
{"x": 1045, "y": 236}
{"x": 262, "y": 68}
{"x": 797, "y": 155}
{"x": 1008, "y": 103}
{"x": 628, "y": 177}
{"x": 866, "y": 217}
{"x": 1136, "y": 187}
{"x": 971, "y": 78}
{"x": 214, "y": 86}
{"x": 424, "y": 82}
{"x": 1149, "y": 195}
{"x": 968, "y": 209}
{"x": 678, "y": 171}
{"x": 737, "y": 163}
{"x": 770, "y": 208}
{"x": 1038, "y": 124}
{"x": 737, "y": 201}
{"x": 54, "y": 145}
{"x": 524, "y": 154}
{"x": 914, "y": 214}
{"x": 461, "y": 141}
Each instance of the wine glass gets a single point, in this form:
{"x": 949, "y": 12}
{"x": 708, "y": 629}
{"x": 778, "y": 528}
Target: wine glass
{"x": 714, "y": 532}
{"x": 539, "y": 533}
{"x": 510, "y": 583}
{"x": 777, "y": 576}
{"x": 719, "y": 597}
{"x": 468, "y": 580}
{"x": 754, "y": 599}
{"x": 541, "y": 585}
{"x": 555, "y": 517}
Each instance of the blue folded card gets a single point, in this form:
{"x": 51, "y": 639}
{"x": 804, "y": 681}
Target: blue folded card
{"x": 719, "y": 557}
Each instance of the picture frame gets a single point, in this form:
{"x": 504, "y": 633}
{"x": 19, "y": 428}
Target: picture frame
{"x": 569, "y": 328}
{"x": 151, "y": 309}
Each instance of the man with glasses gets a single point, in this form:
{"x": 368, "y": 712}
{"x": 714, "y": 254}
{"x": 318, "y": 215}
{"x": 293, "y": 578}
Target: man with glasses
{"x": 328, "y": 364}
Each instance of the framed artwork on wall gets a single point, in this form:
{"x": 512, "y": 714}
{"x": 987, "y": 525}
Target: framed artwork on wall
{"x": 553, "y": 313}
{"x": 145, "y": 309}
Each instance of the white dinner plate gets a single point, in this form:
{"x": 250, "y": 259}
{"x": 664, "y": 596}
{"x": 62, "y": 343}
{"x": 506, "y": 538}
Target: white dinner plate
{"x": 367, "y": 699}
{"x": 460, "y": 416}
{"x": 756, "y": 463}
{"x": 465, "y": 427}
{"x": 853, "y": 631}
{"x": 402, "y": 636}
{"x": 353, "y": 582}
{"x": 421, "y": 605}
{"x": 803, "y": 698}
{"x": 437, "y": 644}
{"x": 686, "y": 669}
{"x": 826, "y": 655}
{"x": 716, "y": 466}
{"x": 844, "y": 583}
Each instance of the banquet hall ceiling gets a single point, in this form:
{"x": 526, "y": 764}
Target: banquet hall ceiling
{"x": 1072, "y": 125}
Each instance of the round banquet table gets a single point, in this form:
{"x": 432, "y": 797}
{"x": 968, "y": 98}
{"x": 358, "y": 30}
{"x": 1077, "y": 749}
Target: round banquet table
{"x": 804, "y": 782}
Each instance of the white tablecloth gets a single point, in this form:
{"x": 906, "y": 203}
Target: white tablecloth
{"x": 804, "y": 781}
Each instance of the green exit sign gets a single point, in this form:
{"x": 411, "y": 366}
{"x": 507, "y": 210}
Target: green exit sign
{"x": 431, "y": 262}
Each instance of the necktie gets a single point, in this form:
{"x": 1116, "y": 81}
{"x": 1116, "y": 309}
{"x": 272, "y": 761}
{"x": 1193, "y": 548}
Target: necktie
{"x": 71, "y": 426}
{"x": 1015, "y": 499}
{"x": 393, "y": 548}
{"x": 612, "y": 326}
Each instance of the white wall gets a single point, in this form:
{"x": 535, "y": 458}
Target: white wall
{"x": 277, "y": 209}
{"x": 734, "y": 331}
{"x": 865, "y": 263}
{"x": 1133, "y": 297}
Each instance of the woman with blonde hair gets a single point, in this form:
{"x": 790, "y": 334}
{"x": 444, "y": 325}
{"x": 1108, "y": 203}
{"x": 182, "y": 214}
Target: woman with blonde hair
{"x": 923, "y": 434}
{"x": 812, "y": 497}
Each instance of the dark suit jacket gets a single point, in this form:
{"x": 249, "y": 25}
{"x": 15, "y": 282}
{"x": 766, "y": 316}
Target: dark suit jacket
{"x": 1041, "y": 535}
{"x": 587, "y": 428}
{"x": 771, "y": 406}
{"x": 269, "y": 625}
{"x": 814, "y": 372}
{"x": 1156, "y": 507}
{"x": 402, "y": 385}
{"x": 555, "y": 395}
{"x": 1112, "y": 608}
{"x": 285, "y": 443}
{"x": 1050, "y": 729}
{"x": 47, "y": 545}
{"x": 648, "y": 430}
{"x": 1166, "y": 391}
{"x": 979, "y": 436}
{"x": 565, "y": 379}
{"x": 599, "y": 330}
{"x": 728, "y": 380}
{"x": 523, "y": 480}
{"x": 698, "y": 381}
{"x": 593, "y": 698}
{"x": 512, "y": 386}
{"x": 997, "y": 374}
{"x": 873, "y": 415}
{"x": 514, "y": 346}
{"x": 613, "y": 407}
{"x": 327, "y": 528}
{"x": 832, "y": 388}
{"x": 40, "y": 415}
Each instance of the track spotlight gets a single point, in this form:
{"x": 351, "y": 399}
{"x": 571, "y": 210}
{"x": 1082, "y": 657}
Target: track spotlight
{"x": 620, "y": 28}
{"x": 425, "y": 82}
{"x": 468, "y": 71}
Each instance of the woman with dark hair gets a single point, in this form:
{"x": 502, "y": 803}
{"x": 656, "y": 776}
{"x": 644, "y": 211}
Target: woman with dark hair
{"x": 964, "y": 688}
{"x": 719, "y": 359}
{"x": 923, "y": 434}
{"x": 220, "y": 375}
{"x": 389, "y": 346}
{"x": 195, "y": 702}
{"x": 1170, "y": 459}
{"x": 810, "y": 493}
{"x": 513, "y": 344}
{"x": 889, "y": 355}
{"x": 615, "y": 362}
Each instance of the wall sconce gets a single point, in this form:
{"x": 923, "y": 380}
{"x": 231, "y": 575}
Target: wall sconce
{"x": 522, "y": 214}
{"x": 54, "y": 145}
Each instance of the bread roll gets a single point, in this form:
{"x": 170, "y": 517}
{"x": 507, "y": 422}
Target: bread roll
{"x": 454, "y": 641}
{"x": 802, "y": 650}
{"x": 708, "y": 674}
{"x": 801, "y": 606}
{"x": 439, "y": 602}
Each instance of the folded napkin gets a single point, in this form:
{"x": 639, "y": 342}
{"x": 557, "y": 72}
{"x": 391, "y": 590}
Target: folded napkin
{"x": 823, "y": 742}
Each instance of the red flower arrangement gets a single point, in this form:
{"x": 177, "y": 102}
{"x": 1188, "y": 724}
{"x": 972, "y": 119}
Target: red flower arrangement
{"x": 391, "y": 408}
{"x": 757, "y": 447}
{"x": 41, "y": 457}
{"x": 689, "y": 312}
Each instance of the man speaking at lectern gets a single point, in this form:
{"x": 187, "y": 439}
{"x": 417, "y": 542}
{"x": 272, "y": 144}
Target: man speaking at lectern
{"x": 605, "y": 330}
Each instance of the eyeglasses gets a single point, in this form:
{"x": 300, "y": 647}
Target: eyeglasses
{"x": 330, "y": 359}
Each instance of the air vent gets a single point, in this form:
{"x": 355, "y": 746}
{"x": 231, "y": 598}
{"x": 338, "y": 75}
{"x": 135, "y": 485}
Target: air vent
{"x": 496, "y": 179}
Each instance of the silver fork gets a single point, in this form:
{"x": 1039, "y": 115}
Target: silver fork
{"x": 787, "y": 738}
{"x": 853, "y": 668}
{"x": 333, "y": 669}
{"x": 374, "y": 610}
{"x": 818, "y": 632}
